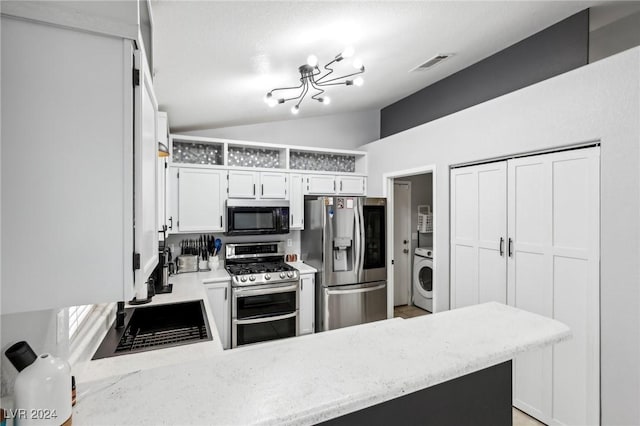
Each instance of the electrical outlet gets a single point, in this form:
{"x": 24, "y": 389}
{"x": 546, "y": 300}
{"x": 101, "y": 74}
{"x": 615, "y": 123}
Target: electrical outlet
{"x": 289, "y": 242}
{"x": 62, "y": 331}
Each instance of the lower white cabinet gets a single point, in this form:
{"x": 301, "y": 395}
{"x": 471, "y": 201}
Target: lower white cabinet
{"x": 307, "y": 303}
{"x": 219, "y": 295}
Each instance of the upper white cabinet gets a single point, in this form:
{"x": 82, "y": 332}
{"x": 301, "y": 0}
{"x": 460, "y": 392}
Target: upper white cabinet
{"x": 242, "y": 184}
{"x": 351, "y": 185}
{"x": 320, "y": 184}
{"x": 68, "y": 166}
{"x": 257, "y": 185}
{"x": 296, "y": 201}
{"x": 200, "y": 199}
{"x": 339, "y": 185}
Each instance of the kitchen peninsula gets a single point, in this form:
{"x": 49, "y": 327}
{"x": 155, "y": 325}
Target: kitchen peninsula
{"x": 324, "y": 376}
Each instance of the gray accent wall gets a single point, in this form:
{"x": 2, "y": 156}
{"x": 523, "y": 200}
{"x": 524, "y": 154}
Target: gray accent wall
{"x": 555, "y": 50}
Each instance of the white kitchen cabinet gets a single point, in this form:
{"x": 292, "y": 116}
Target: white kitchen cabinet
{"x": 320, "y": 184}
{"x": 200, "y": 199}
{"x": 350, "y": 185}
{"x": 296, "y": 202}
{"x": 527, "y": 230}
{"x": 273, "y": 185}
{"x": 243, "y": 184}
{"x": 257, "y": 185}
{"x": 307, "y": 303}
{"x": 219, "y": 296}
{"x": 68, "y": 146}
{"x": 335, "y": 184}
{"x": 163, "y": 137}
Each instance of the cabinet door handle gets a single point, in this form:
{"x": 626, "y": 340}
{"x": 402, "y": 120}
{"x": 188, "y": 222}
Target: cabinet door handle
{"x": 340, "y": 185}
{"x": 225, "y": 293}
{"x": 510, "y": 247}
{"x": 291, "y": 219}
{"x": 220, "y": 221}
{"x": 334, "y": 186}
{"x": 170, "y": 222}
{"x": 262, "y": 189}
{"x": 501, "y": 246}
{"x": 254, "y": 189}
{"x": 301, "y": 285}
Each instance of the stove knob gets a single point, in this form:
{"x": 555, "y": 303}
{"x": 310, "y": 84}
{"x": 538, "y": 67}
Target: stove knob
{"x": 243, "y": 278}
{"x": 252, "y": 277}
{"x": 282, "y": 275}
{"x": 290, "y": 274}
{"x": 267, "y": 277}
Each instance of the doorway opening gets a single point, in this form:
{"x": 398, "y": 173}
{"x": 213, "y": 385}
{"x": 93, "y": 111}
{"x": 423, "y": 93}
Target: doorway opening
{"x": 410, "y": 227}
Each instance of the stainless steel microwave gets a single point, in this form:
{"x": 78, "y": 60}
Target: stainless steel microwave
{"x": 257, "y": 217}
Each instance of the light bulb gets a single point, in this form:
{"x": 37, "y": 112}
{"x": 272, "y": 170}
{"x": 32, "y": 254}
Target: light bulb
{"x": 272, "y": 102}
{"x": 312, "y": 60}
{"x": 358, "y": 81}
{"x": 347, "y": 52}
{"x": 326, "y": 100}
{"x": 357, "y": 63}
{"x": 295, "y": 109}
{"x": 267, "y": 98}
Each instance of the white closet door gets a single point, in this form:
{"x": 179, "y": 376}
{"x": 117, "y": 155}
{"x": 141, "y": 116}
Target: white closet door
{"x": 554, "y": 271}
{"x": 478, "y": 234}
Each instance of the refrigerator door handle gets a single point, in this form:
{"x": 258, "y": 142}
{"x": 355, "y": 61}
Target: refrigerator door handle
{"x": 358, "y": 241}
{"x": 362, "y": 240}
{"x": 357, "y": 290}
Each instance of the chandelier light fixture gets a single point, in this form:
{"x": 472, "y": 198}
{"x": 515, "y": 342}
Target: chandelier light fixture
{"x": 315, "y": 80}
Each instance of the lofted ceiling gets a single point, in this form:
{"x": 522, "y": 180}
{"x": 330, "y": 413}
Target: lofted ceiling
{"x": 214, "y": 61}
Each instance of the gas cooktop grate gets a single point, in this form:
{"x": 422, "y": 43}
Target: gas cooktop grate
{"x": 132, "y": 341}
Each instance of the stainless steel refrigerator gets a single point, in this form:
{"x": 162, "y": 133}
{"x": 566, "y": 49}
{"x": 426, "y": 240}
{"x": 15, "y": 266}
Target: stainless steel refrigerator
{"x": 345, "y": 240}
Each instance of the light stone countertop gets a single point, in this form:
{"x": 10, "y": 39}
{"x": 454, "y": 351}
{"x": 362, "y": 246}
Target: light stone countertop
{"x": 312, "y": 378}
{"x": 186, "y": 287}
{"x": 303, "y": 267}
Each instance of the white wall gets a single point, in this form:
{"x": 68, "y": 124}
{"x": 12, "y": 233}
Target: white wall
{"x": 600, "y": 101}
{"x": 345, "y": 131}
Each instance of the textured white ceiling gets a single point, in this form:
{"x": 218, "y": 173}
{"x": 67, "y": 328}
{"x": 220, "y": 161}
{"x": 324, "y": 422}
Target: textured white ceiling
{"x": 214, "y": 61}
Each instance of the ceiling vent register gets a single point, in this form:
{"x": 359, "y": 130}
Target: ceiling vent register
{"x": 431, "y": 62}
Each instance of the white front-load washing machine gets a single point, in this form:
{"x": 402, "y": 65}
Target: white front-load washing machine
{"x": 423, "y": 278}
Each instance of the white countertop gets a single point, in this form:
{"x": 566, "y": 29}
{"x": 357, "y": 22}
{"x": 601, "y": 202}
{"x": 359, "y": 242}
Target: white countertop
{"x": 316, "y": 377}
{"x": 303, "y": 267}
{"x": 186, "y": 287}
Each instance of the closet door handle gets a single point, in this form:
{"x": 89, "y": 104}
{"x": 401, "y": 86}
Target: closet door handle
{"x": 501, "y": 246}
{"x": 510, "y": 247}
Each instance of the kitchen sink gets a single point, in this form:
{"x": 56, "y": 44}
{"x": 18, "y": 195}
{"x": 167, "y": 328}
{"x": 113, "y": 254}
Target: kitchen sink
{"x": 156, "y": 327}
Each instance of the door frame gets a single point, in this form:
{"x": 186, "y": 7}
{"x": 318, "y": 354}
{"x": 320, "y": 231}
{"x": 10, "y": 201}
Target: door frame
{"x": 409, "y": 264}
{"x": 387, "y": 191}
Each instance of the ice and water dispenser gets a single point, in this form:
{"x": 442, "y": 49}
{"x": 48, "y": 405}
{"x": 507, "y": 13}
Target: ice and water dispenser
{"x": 343, "y": 235}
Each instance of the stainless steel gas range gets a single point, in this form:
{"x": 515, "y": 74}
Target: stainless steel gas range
{"x": 266, "y": 293}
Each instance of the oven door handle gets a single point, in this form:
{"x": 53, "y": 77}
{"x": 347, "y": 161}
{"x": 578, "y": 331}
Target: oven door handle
{"x": 266, "y": 319}
{"x": 241, "y": 292}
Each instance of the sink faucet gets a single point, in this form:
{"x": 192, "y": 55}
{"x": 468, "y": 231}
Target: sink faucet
{"x": 120, "y": 314}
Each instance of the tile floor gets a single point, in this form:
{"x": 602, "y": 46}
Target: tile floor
{"x": 410, "y": 311}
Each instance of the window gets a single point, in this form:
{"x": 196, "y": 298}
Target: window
{"x": 77, "y": 314}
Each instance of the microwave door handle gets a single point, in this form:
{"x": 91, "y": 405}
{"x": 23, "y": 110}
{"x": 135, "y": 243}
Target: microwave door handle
{"x": 266, "y": 319}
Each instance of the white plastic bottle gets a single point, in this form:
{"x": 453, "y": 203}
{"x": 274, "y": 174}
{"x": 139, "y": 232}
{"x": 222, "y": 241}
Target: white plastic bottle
{"x": 42, "y": 392}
